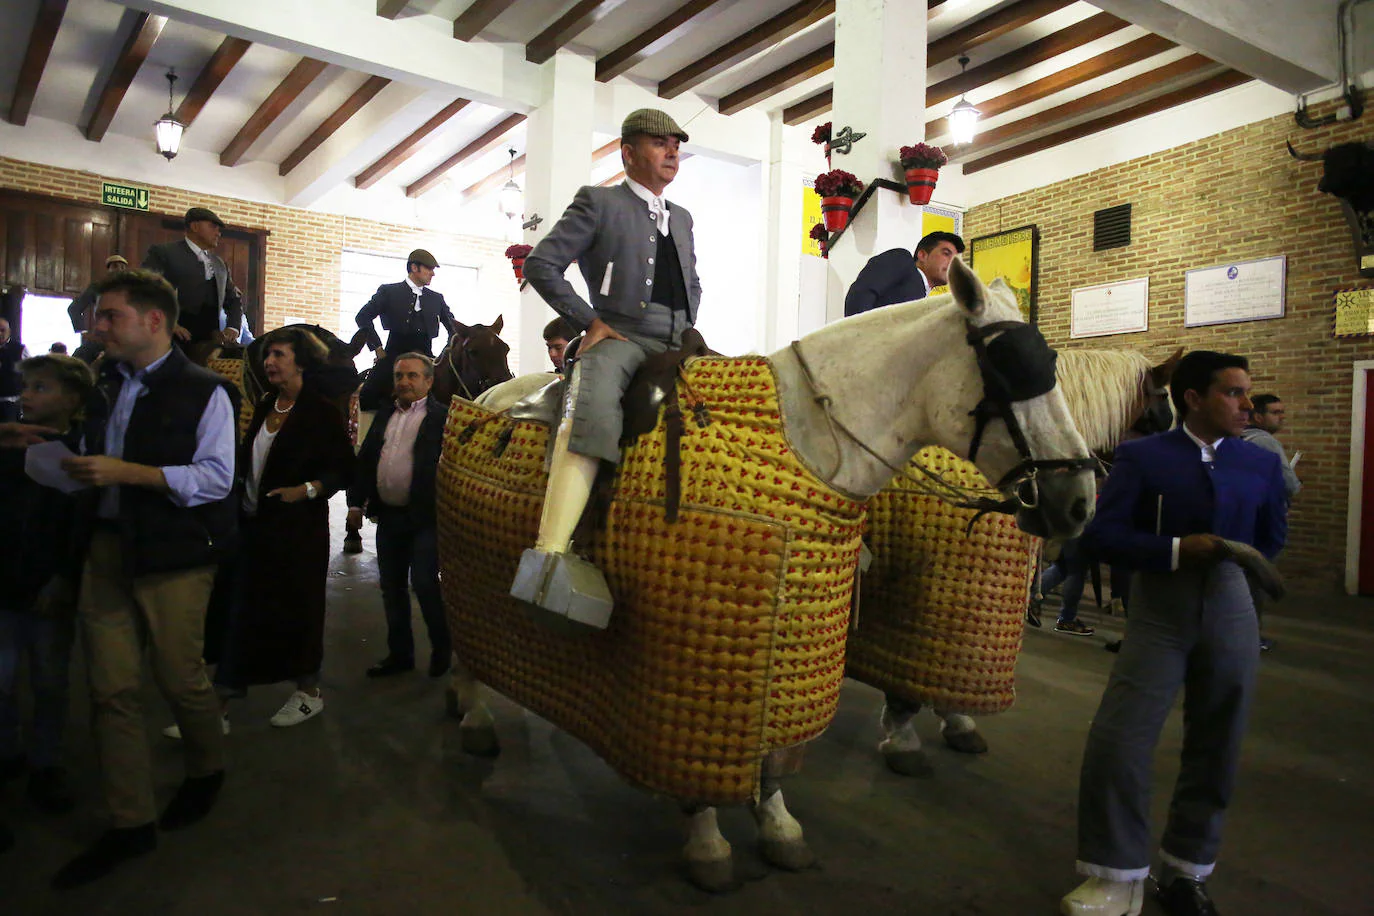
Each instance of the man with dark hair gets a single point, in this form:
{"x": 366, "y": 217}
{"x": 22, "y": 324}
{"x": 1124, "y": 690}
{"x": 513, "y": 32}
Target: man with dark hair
{"x": 557, "y": 335}
{"x": 1167, "y": 505}
{"x": 1266, "y": 421}
{"x": 203, "y": 287}
{"x": 393, "y": 483}
{"x": 412, "y": 313}
{"x": 898, "y": 276}
{"x": 158, "y": 517}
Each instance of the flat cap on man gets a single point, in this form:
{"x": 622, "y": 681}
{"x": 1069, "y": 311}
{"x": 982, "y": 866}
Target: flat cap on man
{"x": 203, "y": 213}
{"x": 116, "y": 259}
{"x": 420, "y": 256}
{"x": 653, "y": 122}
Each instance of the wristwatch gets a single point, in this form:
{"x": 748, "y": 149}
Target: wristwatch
{"x": 310, "y": 491}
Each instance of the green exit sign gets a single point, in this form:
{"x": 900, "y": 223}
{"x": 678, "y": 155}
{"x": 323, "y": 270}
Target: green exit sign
{"x": 123, "y": 195}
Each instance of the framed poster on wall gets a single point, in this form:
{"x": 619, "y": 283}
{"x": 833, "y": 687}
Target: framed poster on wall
{"x": 1011, "y": 255}
{"x": 1230, "y": 293}
{"x": 1110, "y": 308}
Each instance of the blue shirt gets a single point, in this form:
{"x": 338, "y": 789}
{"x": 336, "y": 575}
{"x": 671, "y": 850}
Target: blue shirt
{"x": 209, "y": 476}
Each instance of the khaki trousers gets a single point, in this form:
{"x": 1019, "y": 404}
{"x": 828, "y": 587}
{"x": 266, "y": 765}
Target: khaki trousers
{"x": 119, "y": 617}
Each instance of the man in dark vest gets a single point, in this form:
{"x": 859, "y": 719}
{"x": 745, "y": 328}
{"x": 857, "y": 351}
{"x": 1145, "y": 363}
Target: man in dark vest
{"x": 412, "y": 313}
{"x": 159, "y": 517}
{"x": 201, "y": 281}
{"x": 897, "y": 275}
{"x": 12, "y": 353}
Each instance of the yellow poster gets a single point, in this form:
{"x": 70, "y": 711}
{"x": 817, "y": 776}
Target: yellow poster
{"x": 811, "y": 215}
{"x": 1011, "y": 256}
{"x": 938, "y": 221}
{"x": 1354, "y": 311}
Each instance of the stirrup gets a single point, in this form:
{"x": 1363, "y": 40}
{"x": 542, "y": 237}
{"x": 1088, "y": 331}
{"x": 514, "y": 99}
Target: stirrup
{"x": 564, "y": 584}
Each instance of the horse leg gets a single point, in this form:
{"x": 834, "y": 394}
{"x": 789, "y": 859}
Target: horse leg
{"x": 901, "y": 746}
{"x": 707, "y": 852}
{"x": 961, "y": 733}
{"x": 477, "y": 731}
{"x": 780, "y": 834}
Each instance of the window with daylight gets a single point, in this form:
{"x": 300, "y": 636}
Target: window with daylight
{"x": 46, "y": 323}
{"x": 361, "y": 272}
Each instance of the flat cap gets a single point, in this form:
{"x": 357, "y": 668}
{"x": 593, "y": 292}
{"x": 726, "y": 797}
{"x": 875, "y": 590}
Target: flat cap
{"x": 653, "y": 122}
{"x": 199, "y": 213}
{"x": 116, "y": 259}
{"x": 420, "y": 256}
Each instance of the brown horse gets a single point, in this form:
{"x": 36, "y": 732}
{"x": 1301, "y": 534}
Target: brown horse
{"x": 473, "y": 361}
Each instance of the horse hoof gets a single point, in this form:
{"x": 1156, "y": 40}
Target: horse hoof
{"x": 712, "y": 875}
{"x": 789, "y": 855}
{"x": 479, "y": 742}
{"x": 353, "y": 542}
{"x": 908, "y": 763}
{"x": 967, "y": 742}
{"x": 451, "y": 707}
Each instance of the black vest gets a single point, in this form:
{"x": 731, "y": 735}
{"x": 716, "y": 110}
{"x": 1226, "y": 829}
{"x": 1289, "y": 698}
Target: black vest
{"x": 669, "y": 289}
{"x": 11, "y": 381}
{"x": 158, "y": 535}
{"x": 202, "y": 319}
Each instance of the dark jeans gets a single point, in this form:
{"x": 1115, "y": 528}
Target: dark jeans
{"x": 1070, "y": 569}
{"x": 47, "y": 641}
{"x": 406, "y": 550}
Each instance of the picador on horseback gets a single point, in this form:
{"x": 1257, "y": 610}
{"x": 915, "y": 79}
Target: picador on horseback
{"x": 412, "y": 313}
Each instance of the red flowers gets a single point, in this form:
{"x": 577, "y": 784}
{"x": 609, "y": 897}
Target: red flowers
{"x": 838, "y": 183}
{"x": 818, "y": 232}
{"x": 821, "y": 134}
{"x": 922, "y": 156}
{"x": 519, "y": 251}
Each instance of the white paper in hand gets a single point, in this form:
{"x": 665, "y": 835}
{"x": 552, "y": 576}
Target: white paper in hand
{"x": 43, "y": 463}
{"x": 1293, "y": 462}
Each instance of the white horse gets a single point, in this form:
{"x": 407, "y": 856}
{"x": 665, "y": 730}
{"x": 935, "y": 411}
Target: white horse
{"x": 858, "y": 399}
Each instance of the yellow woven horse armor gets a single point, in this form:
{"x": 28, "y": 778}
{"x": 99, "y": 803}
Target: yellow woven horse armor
{"x": 232, "y": 369}
{"x": 728, "y": 636}
{"x": 941, "y": 612}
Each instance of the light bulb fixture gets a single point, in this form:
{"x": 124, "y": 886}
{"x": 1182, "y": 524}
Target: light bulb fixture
{"x": 168, "y": 129}
{"x": 963, "y": 117}
{"x": 511, "y": 200}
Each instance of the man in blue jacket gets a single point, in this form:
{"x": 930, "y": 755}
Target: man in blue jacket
{"x": 1168, "y": 504}
{"x": 898, "y": 275}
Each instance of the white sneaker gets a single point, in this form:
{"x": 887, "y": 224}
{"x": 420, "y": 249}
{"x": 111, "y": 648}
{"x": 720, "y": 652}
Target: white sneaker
{"x": 174, "y": 731}
{"x": 297, "y": 709}
{"x": 1100, "y": 897}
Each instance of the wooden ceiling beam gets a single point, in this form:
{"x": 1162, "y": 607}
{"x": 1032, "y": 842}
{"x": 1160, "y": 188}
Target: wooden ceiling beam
{"x": 667, "y": 29}
{"x": 601, "y": 152}
{"x": 813, "y": 64}
{"x": 1133, "y": 52}
{"x": 807, "y": 109}
{"x": 147, "y": 28}
{"x": 583, "y": 15}
{"x": 789, "y": 22}
{"x": 477, "y": 147}
{"x": 226, "y": 56}
{"x": 351, "y": 106}
{"x": 390, "y": 9}
{"x": 407, "y": 147}
{"x": 1052, "y": 45}
{"x": 1213, "y": 84}
{"x": 477, "y": 17}
{"x": 290, "y": 89}
{"x": 41, "y": 38}
{"x": 503, "y": 174}
{"x": 981, "y": 31}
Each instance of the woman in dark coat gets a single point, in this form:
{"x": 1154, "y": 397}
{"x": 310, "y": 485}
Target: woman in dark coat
{"x": 295, "y": 455}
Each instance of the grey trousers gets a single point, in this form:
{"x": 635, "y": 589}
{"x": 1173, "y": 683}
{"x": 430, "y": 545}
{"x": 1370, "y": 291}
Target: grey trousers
{"x": 602, "y": 375}
{"x": 1194, "y": 630}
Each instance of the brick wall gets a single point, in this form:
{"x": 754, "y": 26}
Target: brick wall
{"x": 1230, "y": 197}
{"x": 303, "y": 248}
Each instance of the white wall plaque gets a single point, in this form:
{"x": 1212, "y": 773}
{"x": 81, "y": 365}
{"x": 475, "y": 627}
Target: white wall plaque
{"x": 1242, "y": 291}
{"x": 1110, "y": 308}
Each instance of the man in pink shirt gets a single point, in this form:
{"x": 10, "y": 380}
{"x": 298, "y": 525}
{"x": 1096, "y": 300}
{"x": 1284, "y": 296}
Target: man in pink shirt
{"x": 394, "y": 486}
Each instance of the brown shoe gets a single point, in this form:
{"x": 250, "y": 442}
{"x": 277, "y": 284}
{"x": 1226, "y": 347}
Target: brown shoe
{"x": 1074, "y": 628}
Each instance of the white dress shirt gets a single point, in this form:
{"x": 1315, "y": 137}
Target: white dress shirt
{"x": 417, "y": 290}
{"x": 204, "y": 257}
{"x": 396, "y": 464}
{"x": 1208, "y": 452}
{"x": 658, "y": 207}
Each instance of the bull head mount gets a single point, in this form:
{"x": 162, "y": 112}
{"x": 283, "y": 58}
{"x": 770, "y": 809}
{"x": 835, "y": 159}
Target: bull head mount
{"x": 1348, "y": 174}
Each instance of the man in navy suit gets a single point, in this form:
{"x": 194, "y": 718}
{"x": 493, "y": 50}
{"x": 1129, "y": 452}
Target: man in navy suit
{"x": 412, "y": 313}
{"x": 898, "y": 276}
{"x": 1164, "y": 511}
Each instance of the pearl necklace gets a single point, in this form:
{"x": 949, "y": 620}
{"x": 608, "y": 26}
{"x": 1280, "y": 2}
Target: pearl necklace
{"x": 279, "y": 410}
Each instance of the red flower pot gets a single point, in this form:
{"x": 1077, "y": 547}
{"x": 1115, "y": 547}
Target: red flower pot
{"x": 920, "y": 184}
{"x": 518, "y": 265}
{"x": 835, "y": 212}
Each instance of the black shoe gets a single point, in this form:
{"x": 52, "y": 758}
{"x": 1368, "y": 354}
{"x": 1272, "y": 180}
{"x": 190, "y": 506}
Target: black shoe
{"x": 1113, "y": 646}
{"x": 48, "y": 791}
{"x": 439, "y": 663}
{"x": 114, "y": 848}
{"x": 13, "y": 767}
{"x": 1185, "y": 897}
{"x": 192, "y": 802}
{"x": 389, "y": 666}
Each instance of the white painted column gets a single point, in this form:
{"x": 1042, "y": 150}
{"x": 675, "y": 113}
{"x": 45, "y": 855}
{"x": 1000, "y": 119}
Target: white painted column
{"x": 880, "y": 85}
{"x": 783, "y": 206}
{"x": 558, "y": 161}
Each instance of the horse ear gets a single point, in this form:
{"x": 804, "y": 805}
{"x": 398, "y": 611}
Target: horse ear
{"x": 968, "y": 290}
{"x": 461, "y": 329}
{"x": 1165, "y": 370}
{"x": 500, "y": 323}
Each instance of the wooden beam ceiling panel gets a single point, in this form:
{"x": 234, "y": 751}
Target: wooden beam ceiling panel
{"x": 789, "y": 22}
{"x": 1202, "y": 89}
{"x": 981, "y": 31}
{"x": 477, "y": 17}
{"x": 807, "y": 109}
{"x": 41, "y": 38}
{"x": 226, "y": 56}
{"x": 499, "y": 177}
{"x": 407, "y": 147}
{"x": 583, "y": 15}
{"x": 624, "y": 58}
{"x": 290, "y": 89}
{"x": 813, "y": 64}
{"x": 474, "y": 149}
{"x": 390, "y": 9}
{"x": 147, "y": 28}
{"x": 351, "y": 106}
{"x": 1052, "y": 45}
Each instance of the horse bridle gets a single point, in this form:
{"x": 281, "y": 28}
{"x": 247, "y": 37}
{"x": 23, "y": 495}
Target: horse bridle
{"x": 483, "y": 382}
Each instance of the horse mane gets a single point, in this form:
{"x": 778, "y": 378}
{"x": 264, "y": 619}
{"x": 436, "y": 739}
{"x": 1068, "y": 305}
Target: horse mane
{"x": 1105, "y": 391}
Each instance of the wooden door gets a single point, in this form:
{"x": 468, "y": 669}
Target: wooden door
{"x": 1367, "y": 497}
{"x": 52, "y": 246}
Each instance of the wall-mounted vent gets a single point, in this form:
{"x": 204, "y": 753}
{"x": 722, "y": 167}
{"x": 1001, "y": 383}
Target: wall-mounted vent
{"x": 1112, "y": 228}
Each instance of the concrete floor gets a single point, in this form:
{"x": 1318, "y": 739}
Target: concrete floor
{"x": 372, "y": 808}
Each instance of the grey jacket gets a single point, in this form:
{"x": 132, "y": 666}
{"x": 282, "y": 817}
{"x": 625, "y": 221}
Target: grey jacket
{"x": 612, "y": 236}
{"x": 1266, "y": 441}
